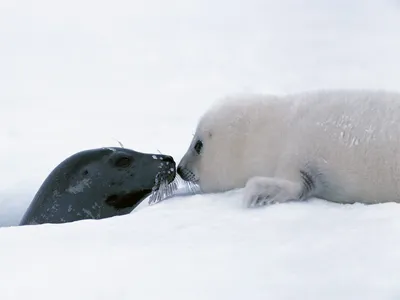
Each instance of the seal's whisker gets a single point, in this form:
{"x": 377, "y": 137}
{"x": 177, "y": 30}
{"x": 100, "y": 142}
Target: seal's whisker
{"x": 169, "y": 190}
{"x": 193, "y": 187}
{"x": 165, "y": 190}
{"x": 190, "y": 187}
{"x": 122, "y": 146}
{"x": 179, "y": 180}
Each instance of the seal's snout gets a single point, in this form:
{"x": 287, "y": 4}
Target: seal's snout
{"x": 168, "y": 158}
{"x": 186, "y": 174}
{"x": 169, "y": 162}
{"x": 180, "y": 172}
{"x": 166, "y": 169}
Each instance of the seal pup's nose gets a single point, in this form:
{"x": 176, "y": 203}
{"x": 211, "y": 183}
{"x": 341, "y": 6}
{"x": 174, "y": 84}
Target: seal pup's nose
{"x": 179, "y": 170}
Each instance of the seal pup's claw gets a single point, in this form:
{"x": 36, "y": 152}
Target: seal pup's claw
{"x": 262, "y": 191}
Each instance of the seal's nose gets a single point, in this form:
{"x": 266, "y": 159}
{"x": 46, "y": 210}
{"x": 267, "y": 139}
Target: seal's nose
{"x": 168, "y": 158}
{"x": 179, "y": 170}
{"x": 168, "y": 162}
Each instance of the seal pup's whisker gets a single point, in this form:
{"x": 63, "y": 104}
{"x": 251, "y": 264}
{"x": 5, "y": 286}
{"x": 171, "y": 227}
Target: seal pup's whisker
{"x": 194, "y": 187}
{"x": 190, "y": 186}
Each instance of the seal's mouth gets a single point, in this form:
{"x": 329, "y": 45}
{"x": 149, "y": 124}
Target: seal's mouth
{"x": 164, "y": 185}
{"x": 131, "y": 200}
{"x": 164, "y": 177}
{"x": 187, "y": 175}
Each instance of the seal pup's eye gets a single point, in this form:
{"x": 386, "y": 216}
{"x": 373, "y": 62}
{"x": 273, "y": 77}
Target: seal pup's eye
{"x": 198, "y": 146}
{"x": 123, "y": 162}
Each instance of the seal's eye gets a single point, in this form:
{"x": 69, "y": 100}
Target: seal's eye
{"x": 198, "y": 146}
{"x": 123, "y": 162}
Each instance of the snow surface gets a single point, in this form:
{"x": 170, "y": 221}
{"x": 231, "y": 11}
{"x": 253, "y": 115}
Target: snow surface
{"x": 84, "y": 74}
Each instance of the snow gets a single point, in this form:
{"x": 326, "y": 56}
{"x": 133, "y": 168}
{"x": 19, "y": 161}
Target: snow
{"x": 86, "y": 74}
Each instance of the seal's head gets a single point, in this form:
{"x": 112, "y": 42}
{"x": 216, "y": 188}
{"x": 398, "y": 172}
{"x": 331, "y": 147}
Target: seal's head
{"x": 99, "y": 183}
{"x": 214, "y": 158}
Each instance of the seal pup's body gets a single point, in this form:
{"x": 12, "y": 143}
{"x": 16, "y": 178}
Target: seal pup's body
{"x": 341, "y": 146}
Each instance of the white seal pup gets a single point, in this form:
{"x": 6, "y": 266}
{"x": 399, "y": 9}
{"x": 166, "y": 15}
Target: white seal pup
{"x": 338, "y": 145}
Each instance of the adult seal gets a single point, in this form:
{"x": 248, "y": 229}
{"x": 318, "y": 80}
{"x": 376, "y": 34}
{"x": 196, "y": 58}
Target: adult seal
{"x": 338, "y": 145}
{"x": 97, "y": 184}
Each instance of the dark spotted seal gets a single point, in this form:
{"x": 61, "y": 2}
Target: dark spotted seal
{"x": 97, "y": 184}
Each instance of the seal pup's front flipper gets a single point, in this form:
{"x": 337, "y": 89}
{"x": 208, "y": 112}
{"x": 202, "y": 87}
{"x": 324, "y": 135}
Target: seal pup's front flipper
{"x": 261, "y": 191}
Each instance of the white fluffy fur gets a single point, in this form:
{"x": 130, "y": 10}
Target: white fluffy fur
{"x": 348, "y": 141}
